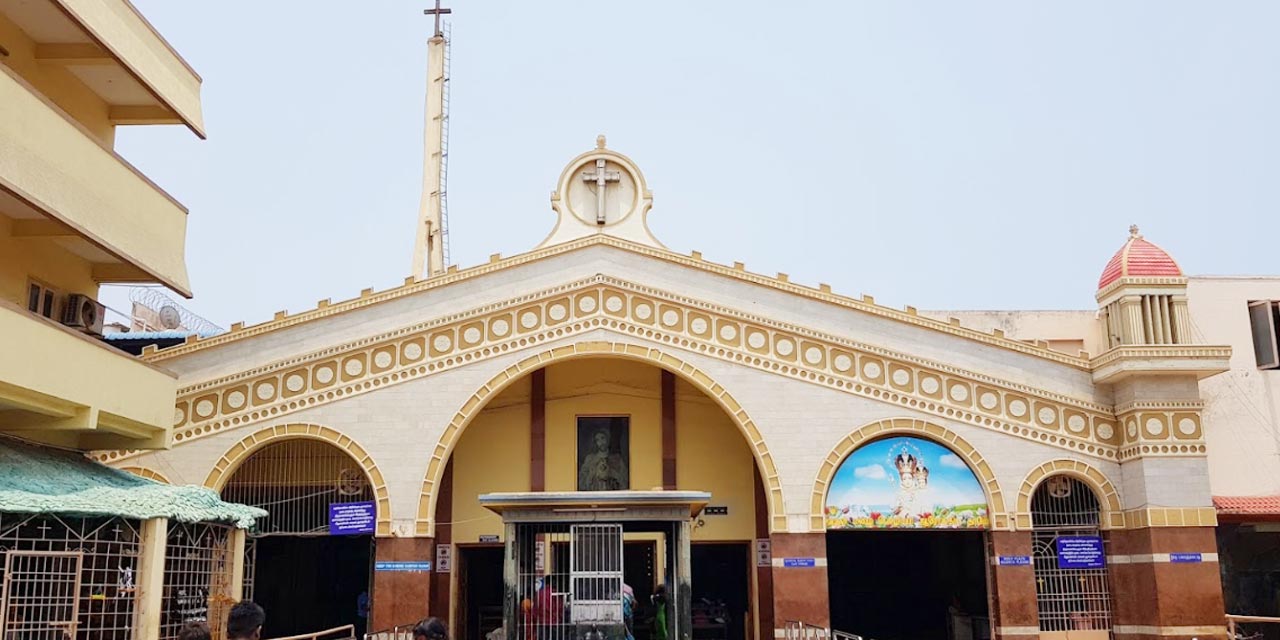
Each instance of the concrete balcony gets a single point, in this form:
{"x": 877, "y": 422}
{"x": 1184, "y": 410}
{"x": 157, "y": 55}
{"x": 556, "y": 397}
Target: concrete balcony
{"x": 58, "y": 181}
{"x": 61, "y": 387}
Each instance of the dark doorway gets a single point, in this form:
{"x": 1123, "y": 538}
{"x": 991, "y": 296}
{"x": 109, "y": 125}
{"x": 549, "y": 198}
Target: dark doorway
{"x": 480, "y": 585}
{"x": 905, "y": 585}
{"x": 308, "y": 584}
{"x": 721, "y": 590}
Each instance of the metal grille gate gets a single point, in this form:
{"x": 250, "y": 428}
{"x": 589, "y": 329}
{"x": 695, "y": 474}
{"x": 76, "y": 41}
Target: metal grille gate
{"x": 197, "y": 577}
{"x": 296, "y": 481}
{"x": 1068, "y": 599}
{"x": 40, "y": 596}
{"x": 595, "y": 573}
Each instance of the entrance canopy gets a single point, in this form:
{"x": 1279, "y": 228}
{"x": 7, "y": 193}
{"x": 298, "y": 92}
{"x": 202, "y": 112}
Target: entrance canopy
{"x": 591, "y": 506}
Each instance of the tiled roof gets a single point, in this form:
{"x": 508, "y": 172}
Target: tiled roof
{"x": 1247, "y": 505}
{"x": 1138, "y": 258}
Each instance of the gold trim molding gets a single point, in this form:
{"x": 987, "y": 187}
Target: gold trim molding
{"x": 1110, "y": 517}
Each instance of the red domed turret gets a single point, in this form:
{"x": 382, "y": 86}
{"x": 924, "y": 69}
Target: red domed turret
{"x": 1136, "y": 259}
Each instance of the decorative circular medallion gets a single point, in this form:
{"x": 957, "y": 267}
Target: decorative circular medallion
{"x": 324, "y": 375}
{"x": 1132, "y": 427}
{"x": 295, "y": 383}
{"x": 670, "y": 318}
{"x": 785, "y": 347}
{"x": 901, "y": 377}
{"x": 1154, "y": 426}
{"x": 1047, "y": 415}
{"x": 204, "y": 408}
{"x": 1017, "y": 408}
{"x": 958, "y": 392}
{"x": 441, "y": 342}
{"x": 728, "y": 332}
{"x": 698, "y": 326}
{"x": 1105, "y": 430}
{"x": 382, "y": 359}
{"x": 557, "y": 312}
{"x": 355, "y": 367}
{"x": 1076, "y": 423}
{"x": 471, "y": 335}
{"x": 1187, "y": 427}
{"x": 929, "y": 385}
{"x": 500, "y": 327}
{"x": 843, "y": 363}
{"x": 989, "y": 401}
{"x": 871, "y": 370}
{"x": 813, "y": 355}
{"x": 178, "y": 416}
{"x": 643, "y": 312}
{"x": 587, "y": 304}
{"x": 528, "y": 320}
{"x": 412, "y": 351}
{"x": 236, "y": 399}
{"x": 613, "y": 304}
{"x": 265, "y": 391}
{"x": 756, "y": 340}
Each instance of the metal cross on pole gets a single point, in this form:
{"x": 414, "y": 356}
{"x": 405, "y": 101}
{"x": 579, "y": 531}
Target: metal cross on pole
{"x": 437, "y": 12}
{"x": 601, "y": 178}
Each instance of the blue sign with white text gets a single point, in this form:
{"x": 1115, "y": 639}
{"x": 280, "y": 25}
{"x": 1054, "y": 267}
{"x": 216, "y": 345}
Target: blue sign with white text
{"x": 352, "y": 518}
{"x": 799, "y": 562}
{"x": 1186, "y": 557}
{"x": 1015, "y": 561}
{"x": 417, "y": 567}
{"x": 1080, "y": 552}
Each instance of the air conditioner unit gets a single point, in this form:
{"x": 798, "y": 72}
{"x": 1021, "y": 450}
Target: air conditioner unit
{"x": 84, "y": 313}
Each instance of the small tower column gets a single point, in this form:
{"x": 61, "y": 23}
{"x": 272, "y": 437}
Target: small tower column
{"x": 428, "y": 248}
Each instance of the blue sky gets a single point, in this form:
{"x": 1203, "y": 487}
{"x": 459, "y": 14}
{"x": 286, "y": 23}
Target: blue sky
{"x": 945, "y": 155}
{"x": 868, "y": 476}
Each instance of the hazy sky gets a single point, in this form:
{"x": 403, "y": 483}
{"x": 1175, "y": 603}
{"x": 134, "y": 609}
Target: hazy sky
{"x": 965, "y": 155}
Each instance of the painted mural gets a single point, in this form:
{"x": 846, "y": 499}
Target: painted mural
{"x": 905, "y": 483}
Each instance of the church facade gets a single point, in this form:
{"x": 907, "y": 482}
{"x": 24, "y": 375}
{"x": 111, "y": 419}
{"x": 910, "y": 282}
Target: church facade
{"x": 877, "y": 471}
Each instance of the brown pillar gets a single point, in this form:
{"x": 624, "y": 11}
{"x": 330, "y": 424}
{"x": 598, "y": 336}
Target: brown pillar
{"x": 401, "y": 597}
{"x": 764, "y": 574}
{"x": 441, "y": 586}
{"x": 800, "y": 590}
{"x": 538, "y": 431}
{"x": 1154, "y": 596}
{"x": 1014, "y": 614}
{"x": 668, "y": 430}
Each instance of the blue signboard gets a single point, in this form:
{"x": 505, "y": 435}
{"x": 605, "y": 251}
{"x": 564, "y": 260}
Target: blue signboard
{"x": 1014, "y": 561}
{"x": 1185, "y": 557}
{"x": 799, "y": 562}
{"x": 416, "y": 567}
{"x": 352, "y": 518}
{"x": 1080, "y": 552}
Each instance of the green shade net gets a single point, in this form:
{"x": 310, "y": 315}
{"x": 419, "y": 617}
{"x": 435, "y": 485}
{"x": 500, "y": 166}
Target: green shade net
{"x": 35, "y": 479}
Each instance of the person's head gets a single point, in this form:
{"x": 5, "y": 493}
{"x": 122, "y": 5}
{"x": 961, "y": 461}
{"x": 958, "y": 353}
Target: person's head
{"x": 194, "y": 631}
{"x": 245, "y": 621}
{"x": 430, "y": 629}
{"x": 601, "y": 438}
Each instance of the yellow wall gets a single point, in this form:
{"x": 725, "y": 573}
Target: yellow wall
{"x": 56, "y": 83}
{"x": 43, "y": 259}
{"x": 493, "y": 453}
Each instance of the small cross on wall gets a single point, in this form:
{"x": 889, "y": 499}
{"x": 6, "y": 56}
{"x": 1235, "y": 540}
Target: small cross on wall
{"x": 437, "y": 12}
{"x": 601, "y": 178}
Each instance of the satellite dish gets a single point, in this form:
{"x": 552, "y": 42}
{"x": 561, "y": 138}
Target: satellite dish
{"x": 169, "y": 317}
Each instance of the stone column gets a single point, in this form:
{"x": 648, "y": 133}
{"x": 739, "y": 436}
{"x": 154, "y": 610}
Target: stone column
{"x": 800, "y": 592}
{"x": 1160, "y": 589}
{"x": 1014, "y": 613}
{"x": 150, "y": 581}
{"x": 400, "y": 597}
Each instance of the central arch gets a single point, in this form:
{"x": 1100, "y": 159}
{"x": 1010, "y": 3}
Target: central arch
{"x": 425, "y": 523}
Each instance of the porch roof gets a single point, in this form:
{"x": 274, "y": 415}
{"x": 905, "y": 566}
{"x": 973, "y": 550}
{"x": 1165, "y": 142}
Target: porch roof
{"x": 600, "y": 501}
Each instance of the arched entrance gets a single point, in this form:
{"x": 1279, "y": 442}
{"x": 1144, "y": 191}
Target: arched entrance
{"x": 906, "y": 517}
{"x": 308, "y": 563}
{"x": 606, "y": 422}
{"x": 1073, "y": 593}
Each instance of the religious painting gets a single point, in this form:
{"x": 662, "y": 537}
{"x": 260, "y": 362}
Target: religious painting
{"x": 604, "y": 453}
{"x": 905, "y": 483}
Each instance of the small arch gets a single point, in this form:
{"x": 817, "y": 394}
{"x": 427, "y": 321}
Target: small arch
{"x": 150, "y": 474}
{"x": 238, "y": 453}
{"x": 1111, "y": 514}
{"x": 906, "y": 426}
{"x": 425, "y": 525}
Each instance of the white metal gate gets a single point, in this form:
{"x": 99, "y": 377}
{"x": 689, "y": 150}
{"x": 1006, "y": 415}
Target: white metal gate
{"x": 595, "y": 573}
{"x": 1069, "y": 599}
{"x": 41, "y": 594}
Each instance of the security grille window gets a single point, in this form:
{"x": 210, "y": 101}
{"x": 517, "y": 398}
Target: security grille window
{"x": 1264, "y": 318}
{"x": 197, "y": 577}
{"x": 1070, "y": 597}
{"x": 40, "y": 594}
{"x": 296, "y": 481}
{"x": 105, "y": 595}
{"x": 595, "y": 573}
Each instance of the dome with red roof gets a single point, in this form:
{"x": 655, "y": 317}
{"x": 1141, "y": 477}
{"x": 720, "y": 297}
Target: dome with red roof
{"x": 1138, "y": 258}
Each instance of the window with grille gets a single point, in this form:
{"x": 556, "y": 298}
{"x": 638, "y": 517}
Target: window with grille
{"x": 1264, "y": 318}
{"x": 595, "y": 572}
{"x": 1069, "y": 598}
{"x": 42, "y": 299}
{"x": 40, "y": 594}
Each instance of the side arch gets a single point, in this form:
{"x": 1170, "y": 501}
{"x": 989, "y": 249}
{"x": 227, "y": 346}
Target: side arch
{"x": 907, "y": 426}
{"x": 1112, "y": 516}
{"x": 150, "y": 474}
{"x": 238, "y": 453}
{"x": 425, "y": 524}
